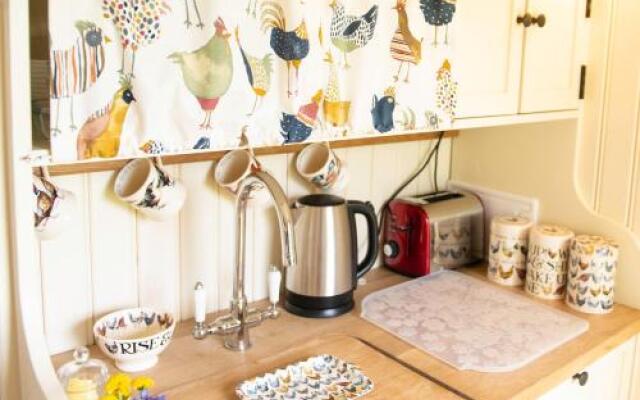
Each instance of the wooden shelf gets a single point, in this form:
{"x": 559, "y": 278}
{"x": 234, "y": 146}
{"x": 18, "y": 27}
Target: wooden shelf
{"x": 80, "y": 167}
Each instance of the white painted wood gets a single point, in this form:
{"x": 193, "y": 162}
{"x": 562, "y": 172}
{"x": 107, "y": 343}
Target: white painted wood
{"x": 113, "y": 247}
{"x": 37, "y": 379}
{"x": 159, "y": 262}
{"x": 516, "y": 119}
{"x": 199, "y": 244}
{"x": 551, "y": 68}
{"x": 66, "y": 277}
{"x": 488, "y": 55}
{"x": 609, "y": 378}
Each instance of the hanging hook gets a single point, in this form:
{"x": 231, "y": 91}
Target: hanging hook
{"x": 244, "y": 143}
{"x": 157, "y": 161}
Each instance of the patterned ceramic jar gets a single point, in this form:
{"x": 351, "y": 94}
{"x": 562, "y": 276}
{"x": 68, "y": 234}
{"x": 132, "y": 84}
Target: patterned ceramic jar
{"x": 592, "y": 268}
{"x": 508, "y": 250}
{"x": 548, "y": 261}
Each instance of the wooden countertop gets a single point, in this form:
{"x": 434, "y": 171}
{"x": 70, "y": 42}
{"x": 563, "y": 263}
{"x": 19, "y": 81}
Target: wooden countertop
{"x": 189, "y": 366}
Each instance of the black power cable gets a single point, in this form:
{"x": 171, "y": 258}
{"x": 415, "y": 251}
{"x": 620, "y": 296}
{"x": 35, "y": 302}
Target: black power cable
{"x": 406, "y": 183}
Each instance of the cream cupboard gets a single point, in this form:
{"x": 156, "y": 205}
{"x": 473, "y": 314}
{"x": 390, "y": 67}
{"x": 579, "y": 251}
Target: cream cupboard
{"x": 518, "y": 56}
{"x": 505, "y": 70}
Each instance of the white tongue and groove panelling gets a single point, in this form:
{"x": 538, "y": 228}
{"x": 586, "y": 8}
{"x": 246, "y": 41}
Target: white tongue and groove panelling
{"x": 113, "y": 258}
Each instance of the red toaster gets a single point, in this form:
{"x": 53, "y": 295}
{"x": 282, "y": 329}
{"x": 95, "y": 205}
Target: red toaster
{"x": 433, "y": 231}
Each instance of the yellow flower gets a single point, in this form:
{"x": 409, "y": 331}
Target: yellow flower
{"x": 143, "y": 382}
{"x": 118, "y": 384}
{"x": 109, "y": 397}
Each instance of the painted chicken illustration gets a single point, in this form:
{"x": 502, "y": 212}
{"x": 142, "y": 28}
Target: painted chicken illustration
{"x": 350, "y": 32}
{"x": 76, "y": 69}
{"x": 259, "y": 72}
{"x": 100, "y": 135}
{"x": 297, "y": 127}
{"x": 335, "y": 108}
{"x": 137, "y": 22}
{"x": 405, "y": 48}
{"x": 187, "y": 21}
{"x": 446, "y": 91}
{"x": 290, "y": 46}
{"x": 382, "y": 110}
{"x": 207, "y": 71}
{"x": 438, "y": 13}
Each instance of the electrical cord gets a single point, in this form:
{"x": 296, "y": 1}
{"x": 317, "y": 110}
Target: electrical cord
{"x": 406, "y": 183}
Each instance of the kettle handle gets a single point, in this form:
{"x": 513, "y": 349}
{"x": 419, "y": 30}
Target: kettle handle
{"x": 367, "y": 210}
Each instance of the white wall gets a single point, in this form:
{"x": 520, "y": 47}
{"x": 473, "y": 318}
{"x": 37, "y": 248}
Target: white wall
{"x": 112, "y": 258}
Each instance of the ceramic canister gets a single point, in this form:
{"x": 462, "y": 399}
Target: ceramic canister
{"x": 548, "y": 261}
{"x": 508, "y": 250}
{"x": 592, "y": 268}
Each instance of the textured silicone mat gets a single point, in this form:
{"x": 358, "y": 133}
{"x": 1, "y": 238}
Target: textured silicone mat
{"x": 470, "y": 324}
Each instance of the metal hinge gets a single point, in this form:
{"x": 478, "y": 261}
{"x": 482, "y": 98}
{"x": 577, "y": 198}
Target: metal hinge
{"x": 587, "y": 13}
{"x": 583, "y": 81}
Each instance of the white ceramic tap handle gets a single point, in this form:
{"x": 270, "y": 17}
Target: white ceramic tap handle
{"x": 275, "y": 278}
{"x": 200, "y": 301}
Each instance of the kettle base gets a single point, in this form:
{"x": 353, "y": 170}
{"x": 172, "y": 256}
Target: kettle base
{"x": 318, "y": 307}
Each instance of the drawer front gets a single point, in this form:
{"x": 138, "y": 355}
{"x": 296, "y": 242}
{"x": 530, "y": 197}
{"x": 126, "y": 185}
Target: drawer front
{"x": 608, "y": 378}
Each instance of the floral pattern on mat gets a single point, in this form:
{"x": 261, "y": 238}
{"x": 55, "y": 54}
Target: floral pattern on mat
{"x": 470, "y": 324}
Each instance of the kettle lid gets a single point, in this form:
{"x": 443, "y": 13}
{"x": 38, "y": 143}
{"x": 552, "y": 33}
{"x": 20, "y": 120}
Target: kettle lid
{"x": 321, "y": 200}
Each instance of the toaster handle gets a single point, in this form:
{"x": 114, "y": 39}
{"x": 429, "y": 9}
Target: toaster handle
{"x": 366, "y": 210}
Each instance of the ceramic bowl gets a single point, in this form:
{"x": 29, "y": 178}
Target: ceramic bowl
{"x": 135, "y": 337}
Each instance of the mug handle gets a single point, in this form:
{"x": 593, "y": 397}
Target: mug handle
{"x": 366, "y": 210}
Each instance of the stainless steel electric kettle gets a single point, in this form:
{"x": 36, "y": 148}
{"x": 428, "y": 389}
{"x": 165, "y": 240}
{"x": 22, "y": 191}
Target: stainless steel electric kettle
{"x": 322, "y": 283}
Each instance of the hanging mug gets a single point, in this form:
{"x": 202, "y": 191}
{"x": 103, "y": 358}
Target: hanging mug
{"x": 53, "y": 207}
{"x": 146, "y": 186}
{"x": 233, "y": 168}
{"x": 319, "y": 165}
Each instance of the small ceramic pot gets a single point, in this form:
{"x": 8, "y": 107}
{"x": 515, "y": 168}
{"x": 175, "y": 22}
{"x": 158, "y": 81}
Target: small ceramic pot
{"x": 134, "y": 338}
{"x": 508, "y": 246}
{"x": 150, "y": 189}
{"x": 53, "y": 208}
{"x": 592, "y": 269}
{"x": 548, "y": 261}
{"x": 319, "y": 165}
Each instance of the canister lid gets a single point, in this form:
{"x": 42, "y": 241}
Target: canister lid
{"x": 511, "y": 226}
{"x": 588, "y": 245}
{"x": 551, "y": 234}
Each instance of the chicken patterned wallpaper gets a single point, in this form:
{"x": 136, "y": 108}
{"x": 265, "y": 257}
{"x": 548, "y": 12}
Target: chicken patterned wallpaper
{"x": 160, "y": 76}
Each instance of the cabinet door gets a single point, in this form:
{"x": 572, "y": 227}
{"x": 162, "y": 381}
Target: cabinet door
{"x": 551, "y": 70}
{"x": 608, "y": 378}
{"x": 488, "y": 55}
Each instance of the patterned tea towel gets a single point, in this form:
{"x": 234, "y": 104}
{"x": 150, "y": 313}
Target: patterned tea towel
{"x": 470, "y": 324}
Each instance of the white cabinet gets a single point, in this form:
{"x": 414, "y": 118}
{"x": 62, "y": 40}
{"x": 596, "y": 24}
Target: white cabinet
{"x": 507, "y": 68}
{"x": 551, "y": 69}
{"x": 608, "y": 378}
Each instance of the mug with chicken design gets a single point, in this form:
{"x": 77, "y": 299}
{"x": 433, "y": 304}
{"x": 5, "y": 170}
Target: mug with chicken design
{"x": 53, "y": 207}
{"x": 319, "y": 164}
{"x": 592, "y": 269}
{"x": 147, "y": 187}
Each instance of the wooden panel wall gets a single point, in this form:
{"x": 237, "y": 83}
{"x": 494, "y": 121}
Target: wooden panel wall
{"x": 113, "y": 258}
{"x": 609, "y": 173}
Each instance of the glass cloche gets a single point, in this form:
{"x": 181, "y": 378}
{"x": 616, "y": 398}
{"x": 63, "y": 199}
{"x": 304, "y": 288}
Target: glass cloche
{"x": 84, "y": 377}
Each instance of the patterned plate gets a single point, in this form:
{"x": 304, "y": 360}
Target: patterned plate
{"x": 322, "y": 377}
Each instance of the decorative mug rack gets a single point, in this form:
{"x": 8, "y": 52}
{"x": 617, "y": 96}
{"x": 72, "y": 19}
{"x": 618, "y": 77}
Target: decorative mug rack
{"x": 99, "y": 165}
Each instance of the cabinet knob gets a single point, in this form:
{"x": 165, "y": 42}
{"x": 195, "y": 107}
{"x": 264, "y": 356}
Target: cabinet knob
{"x": 582, "y": 378}
{"x": 527, "y": 20}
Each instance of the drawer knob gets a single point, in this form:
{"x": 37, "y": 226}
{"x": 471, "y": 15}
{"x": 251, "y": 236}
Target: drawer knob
{"x": 582, "y": 378}
{"x": 527, "y": 20}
